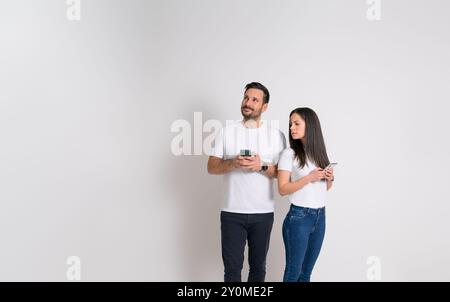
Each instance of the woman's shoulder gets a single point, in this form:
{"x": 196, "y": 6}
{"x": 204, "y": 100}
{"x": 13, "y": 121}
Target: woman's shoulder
{"x": 288, "y": 152}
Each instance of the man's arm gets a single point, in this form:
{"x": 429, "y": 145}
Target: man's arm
{"x": 219, "y": 166}
{"x": 272, "y": 171}
{"x": 254, "y": 164}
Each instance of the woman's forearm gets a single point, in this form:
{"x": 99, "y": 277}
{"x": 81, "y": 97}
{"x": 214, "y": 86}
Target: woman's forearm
{"x": 329, "y": 184}
{"x": 291, "y": 187}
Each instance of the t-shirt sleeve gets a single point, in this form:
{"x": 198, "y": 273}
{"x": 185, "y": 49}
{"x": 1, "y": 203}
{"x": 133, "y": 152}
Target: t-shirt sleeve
{"x": 286, "y": 160}
{"x": 281, "y": 145}
{"x": 283, "y": 142}
{"x": 217, "y": 150}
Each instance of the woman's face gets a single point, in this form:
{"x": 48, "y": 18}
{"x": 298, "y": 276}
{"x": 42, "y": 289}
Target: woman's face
{"x": 297, "y": 126}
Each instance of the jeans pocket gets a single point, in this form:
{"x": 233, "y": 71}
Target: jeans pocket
{"x": 297, "y": 214}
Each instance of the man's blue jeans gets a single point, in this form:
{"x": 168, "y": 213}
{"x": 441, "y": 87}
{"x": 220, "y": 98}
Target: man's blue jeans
{"x": 303, "y": 233}
{"x": 236, "y": 230}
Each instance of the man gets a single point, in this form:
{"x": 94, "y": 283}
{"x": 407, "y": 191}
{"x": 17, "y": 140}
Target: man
{"x": 247, "y": 153}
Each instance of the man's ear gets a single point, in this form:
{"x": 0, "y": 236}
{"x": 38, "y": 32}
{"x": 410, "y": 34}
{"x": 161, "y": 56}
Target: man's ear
{"x": 264, "y": 107}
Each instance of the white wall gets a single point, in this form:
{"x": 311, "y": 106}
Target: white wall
{"x": 86, "y": 109}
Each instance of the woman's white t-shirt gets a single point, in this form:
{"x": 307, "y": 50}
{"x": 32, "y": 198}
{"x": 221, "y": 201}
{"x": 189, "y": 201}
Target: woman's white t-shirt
{"x": 313, "y": 195}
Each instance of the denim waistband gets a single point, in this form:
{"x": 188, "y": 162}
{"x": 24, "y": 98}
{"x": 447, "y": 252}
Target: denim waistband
{"x": 307, "y": 210}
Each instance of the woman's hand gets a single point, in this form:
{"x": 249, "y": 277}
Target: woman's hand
{"x": 316, "y": 175}
{"x": 329, "y": 174}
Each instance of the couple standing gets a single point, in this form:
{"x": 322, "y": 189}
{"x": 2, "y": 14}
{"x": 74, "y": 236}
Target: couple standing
{"x": 247, "y": 212}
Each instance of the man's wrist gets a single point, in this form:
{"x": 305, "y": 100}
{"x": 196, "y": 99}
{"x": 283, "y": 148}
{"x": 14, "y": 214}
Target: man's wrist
{"x": 264, "y": 167}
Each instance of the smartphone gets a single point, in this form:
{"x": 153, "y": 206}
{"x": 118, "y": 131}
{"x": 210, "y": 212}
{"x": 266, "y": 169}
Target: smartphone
{"x": 245, "y": 152}
{"x": 331, "y": 165}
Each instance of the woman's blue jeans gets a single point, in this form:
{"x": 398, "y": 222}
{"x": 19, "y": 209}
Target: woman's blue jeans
{"x": 303, "y": 233}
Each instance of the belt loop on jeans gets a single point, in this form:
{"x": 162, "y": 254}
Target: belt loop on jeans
{"x": 321, "y": 210}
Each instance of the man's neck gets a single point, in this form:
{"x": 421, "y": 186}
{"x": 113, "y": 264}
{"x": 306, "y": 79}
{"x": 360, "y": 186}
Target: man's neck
{"x": 252, "y": 123}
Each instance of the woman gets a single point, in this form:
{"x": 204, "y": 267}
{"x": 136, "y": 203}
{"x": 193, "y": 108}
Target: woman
{"x": 302, "y": 176}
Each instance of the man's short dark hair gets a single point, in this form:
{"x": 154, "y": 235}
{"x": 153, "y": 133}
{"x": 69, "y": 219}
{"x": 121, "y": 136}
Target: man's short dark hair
{"x": 256, "y": 85}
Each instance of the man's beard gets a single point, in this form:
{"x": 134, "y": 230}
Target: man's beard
{"x": 253, "y": 114}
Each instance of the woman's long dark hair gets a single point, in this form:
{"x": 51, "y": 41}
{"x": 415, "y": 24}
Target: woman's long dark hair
{"x": 314, "y": 147}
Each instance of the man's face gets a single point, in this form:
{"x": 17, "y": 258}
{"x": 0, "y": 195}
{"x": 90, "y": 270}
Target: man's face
{"x": 253, "y": 105}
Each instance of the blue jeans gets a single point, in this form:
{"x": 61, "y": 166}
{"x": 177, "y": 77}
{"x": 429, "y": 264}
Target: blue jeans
{"x": 303, "y": 233}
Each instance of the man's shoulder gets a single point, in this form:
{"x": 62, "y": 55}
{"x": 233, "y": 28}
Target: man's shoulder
{"x": 275, "y": 131}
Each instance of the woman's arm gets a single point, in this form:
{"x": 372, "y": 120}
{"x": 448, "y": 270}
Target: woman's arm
{"x": 329, "y": 184}
{"x": 285, "y": 186}
{"x": 329, "y": 176}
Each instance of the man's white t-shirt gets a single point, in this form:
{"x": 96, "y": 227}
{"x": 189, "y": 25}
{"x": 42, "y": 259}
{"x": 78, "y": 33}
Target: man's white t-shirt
{"x": 313, "y": 195}
{"x": 248, "y": 192}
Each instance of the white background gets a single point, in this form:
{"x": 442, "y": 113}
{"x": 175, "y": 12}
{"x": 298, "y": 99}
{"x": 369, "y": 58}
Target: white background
{"x": 86, "y": 109}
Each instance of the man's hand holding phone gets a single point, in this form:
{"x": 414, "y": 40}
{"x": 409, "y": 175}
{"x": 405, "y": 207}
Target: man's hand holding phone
{"x": 250, "y": 162}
